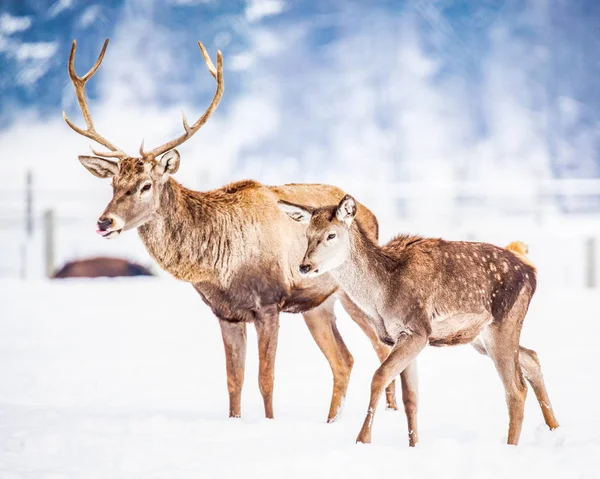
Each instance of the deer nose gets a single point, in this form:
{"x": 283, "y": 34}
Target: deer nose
{"x": 104, "y": 223}
{"x": 304, "y": 268}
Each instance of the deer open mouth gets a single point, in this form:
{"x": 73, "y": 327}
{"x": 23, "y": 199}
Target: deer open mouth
{"x": 109, "y": 234}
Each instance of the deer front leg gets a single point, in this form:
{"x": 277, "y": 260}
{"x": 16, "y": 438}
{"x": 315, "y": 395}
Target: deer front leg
{"x": 402, "y": 355}
{"x": 322, "y": 325}
{"x": 234, "y": 340}
{"x": 410, "y": 398}
{"x": 381, "y": 349}
{"x": 267, "y": 329}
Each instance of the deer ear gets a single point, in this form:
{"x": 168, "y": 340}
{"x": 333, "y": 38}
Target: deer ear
{"x": 100, "y": 167}
{"x": 169, "y": 162}
{"x": 346, "y": 210}
{"x": 297, "y": 213}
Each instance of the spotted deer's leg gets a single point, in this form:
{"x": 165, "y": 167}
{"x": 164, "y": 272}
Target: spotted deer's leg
{"x": 322, "y": 325}
{"x": 234, "y": 340}
{"x": 404, "y": 352}
{"x": 410, "y": 398}
{"x": 267, "y": 329}
{"x": 501, "y": 340}
{"x": 506, "y": 359}
{"x": 530, "y": 364}
{"x": 381, "y": 349}
{"x": 532, "y": 372}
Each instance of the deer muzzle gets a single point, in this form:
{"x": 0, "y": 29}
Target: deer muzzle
{"x": 109, "y": 226}
{"x": 307, "y": 269}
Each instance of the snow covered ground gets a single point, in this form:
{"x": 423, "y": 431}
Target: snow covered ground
{"x": 126, "y": 379}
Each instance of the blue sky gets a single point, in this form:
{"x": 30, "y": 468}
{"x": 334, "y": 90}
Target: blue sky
{"x": 316, "y": 90}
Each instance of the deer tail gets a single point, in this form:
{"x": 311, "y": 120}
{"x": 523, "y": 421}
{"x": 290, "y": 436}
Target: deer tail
{"x": 521, "y": 250}
{"x": 518, "y": 247}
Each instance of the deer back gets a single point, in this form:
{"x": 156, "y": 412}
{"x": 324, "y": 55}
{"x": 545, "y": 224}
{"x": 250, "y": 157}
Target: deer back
{"x": 457, "y": 276}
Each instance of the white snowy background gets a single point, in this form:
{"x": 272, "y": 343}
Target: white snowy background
{"x": 467, "y": 120}
{"x": 138, "y": 390}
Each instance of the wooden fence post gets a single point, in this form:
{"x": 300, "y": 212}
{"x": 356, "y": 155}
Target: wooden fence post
{"x": 590, "y": 263}
{"x": 49, "y": 242}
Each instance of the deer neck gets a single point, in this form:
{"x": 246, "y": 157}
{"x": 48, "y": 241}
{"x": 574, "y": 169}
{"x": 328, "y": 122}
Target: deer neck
{"x": 183, "y": 236}
{"x": 366, "y": 271}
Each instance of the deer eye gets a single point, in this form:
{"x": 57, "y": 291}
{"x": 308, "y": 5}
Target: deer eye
{"x": 146, "y": 187}
{"x": 331, "y": 236}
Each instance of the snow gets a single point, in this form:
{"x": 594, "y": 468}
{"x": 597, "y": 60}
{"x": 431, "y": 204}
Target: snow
{"x": 126, "y": 379}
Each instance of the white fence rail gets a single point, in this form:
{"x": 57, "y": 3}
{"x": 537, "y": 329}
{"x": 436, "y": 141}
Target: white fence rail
{"x": 559, "y": 219}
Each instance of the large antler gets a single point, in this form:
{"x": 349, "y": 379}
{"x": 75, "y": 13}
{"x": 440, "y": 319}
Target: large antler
{"x": 217, "y": 73}
{"x": 79, "y": 84}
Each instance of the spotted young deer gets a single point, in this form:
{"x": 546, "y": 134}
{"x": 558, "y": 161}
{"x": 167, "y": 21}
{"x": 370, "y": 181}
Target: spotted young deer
{"x": 233, "y": 244}
{"x": 420, "y": 291}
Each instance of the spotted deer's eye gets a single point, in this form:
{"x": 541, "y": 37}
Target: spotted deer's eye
{"x": 146, "y": 187}
{"x": 331, "y": 236}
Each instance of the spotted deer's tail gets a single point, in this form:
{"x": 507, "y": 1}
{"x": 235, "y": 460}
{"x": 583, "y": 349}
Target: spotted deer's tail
{"x": 521, "y": 250}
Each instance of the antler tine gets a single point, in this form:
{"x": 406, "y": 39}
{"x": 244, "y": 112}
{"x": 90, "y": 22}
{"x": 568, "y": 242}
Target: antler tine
{"x": 79, "y": 84}
{"x": 208, "y": 61}
{"x": 109, "y": 154}
{"x": 217, "y": 73}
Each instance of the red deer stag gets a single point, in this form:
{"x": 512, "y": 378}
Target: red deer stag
{"x": 233, "y": 244}
{"x": 422, "y": 291}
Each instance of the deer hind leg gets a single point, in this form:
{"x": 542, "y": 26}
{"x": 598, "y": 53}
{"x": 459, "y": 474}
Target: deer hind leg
{"x": 530, "y": 364}
{"x": 382, "y": 350}
{"x": 267, "y": 330}
{"x": 402, "y": 355}
{"x": 532, "y": 371}
{"x": 501, "y": 339}
{"x": 234, "y": 340}
{"x": 321, "y": 323}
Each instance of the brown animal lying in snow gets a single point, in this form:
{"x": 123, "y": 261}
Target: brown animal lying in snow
{"x": 101, "y": 267}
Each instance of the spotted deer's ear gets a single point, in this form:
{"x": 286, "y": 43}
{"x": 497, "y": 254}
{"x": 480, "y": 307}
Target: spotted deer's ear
{"x": 100, "y": 167}
{"x": 168, "y": 163}
{"x": 346, "y": 210}
{"x": 298, "y": 213}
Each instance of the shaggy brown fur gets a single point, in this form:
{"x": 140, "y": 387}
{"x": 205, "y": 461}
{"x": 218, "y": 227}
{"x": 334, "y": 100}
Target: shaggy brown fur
{"x": 420, "y": 291}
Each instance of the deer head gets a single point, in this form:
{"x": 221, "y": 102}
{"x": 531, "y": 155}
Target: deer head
{"x": 137, "y": 182}
{"x": 328, "y": 234}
